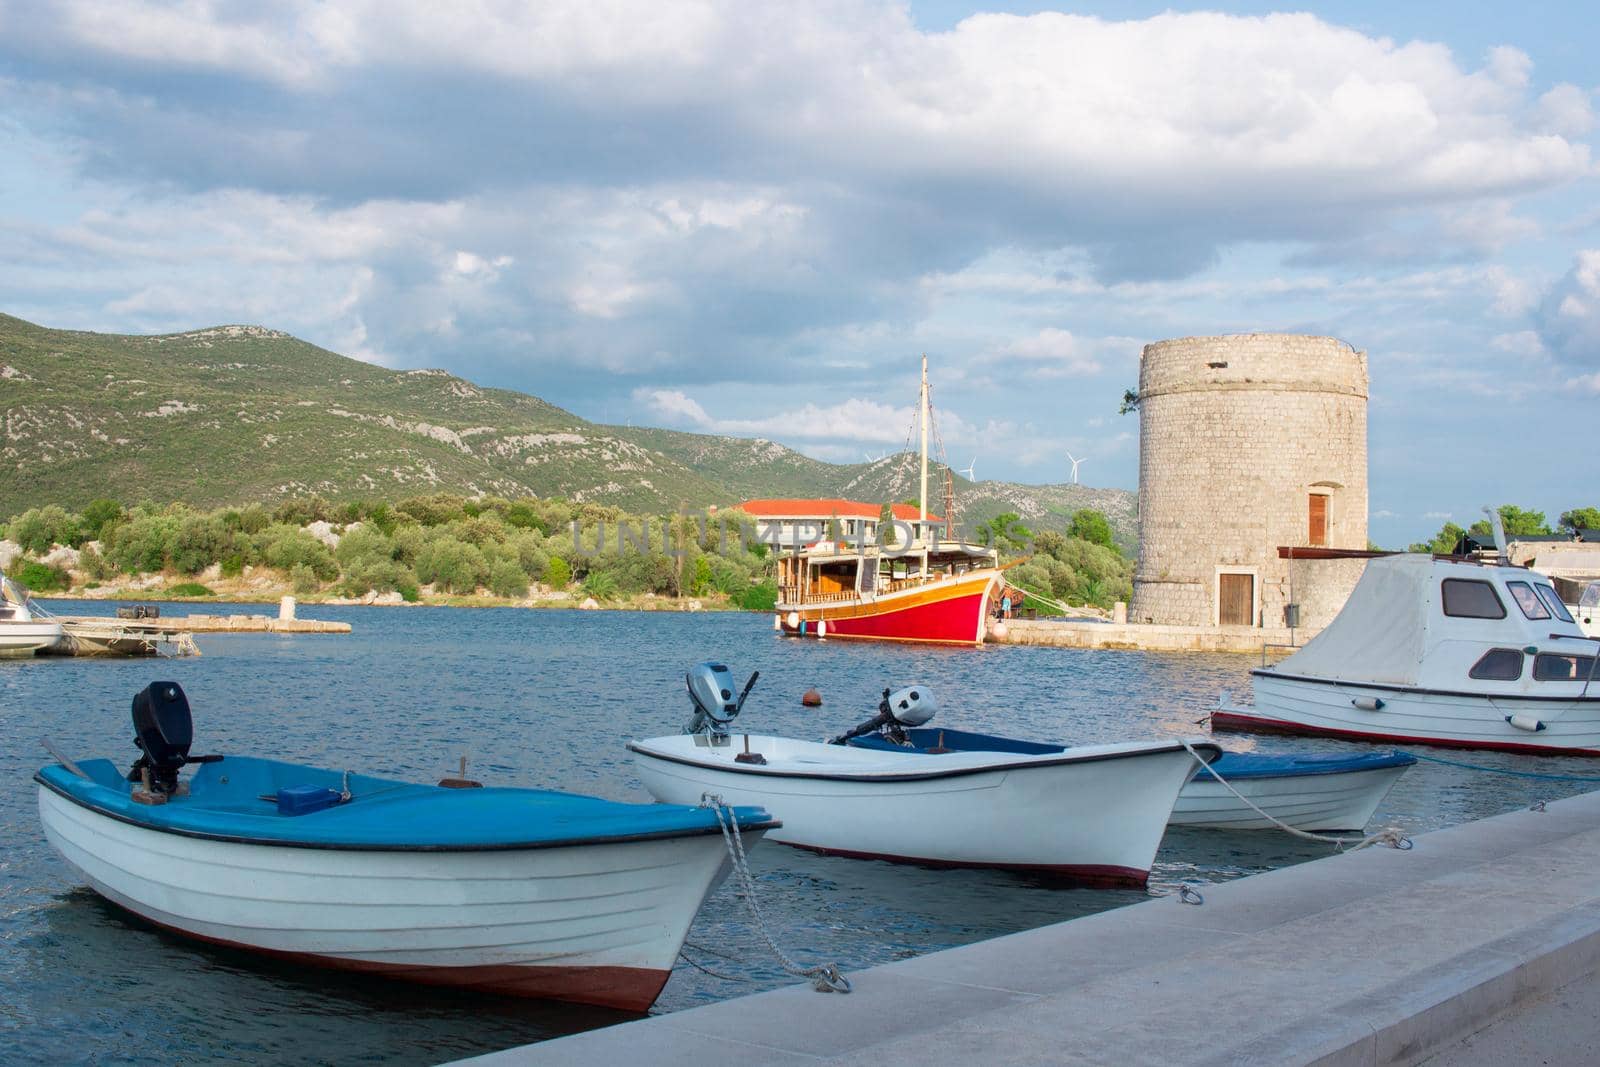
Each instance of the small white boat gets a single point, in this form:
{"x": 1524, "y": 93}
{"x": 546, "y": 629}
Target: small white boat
{"x": 1307, "y": 792}
{"x": 21, "y": 631}
{"x": 1091, "y": 814}
{"x": 515, "y": 891}
{"x": 1322, "y": 791}
{"x": 1442, "y": 652}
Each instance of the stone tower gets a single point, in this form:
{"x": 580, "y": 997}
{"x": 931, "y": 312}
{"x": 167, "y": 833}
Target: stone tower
{"x": 1248, "y": 442}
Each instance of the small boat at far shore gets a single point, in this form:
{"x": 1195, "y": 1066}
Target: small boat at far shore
{"x": 21, "y": 632}
{"x": 1093, "y": 814}
{"x": 1308, "y": 792}
{"x": 514, "y": 891}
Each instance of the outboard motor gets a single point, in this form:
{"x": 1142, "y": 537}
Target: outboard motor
{"x": 711, "y": 693}
{"x": 163, "y": 731}
{"x": 911, "y": 706}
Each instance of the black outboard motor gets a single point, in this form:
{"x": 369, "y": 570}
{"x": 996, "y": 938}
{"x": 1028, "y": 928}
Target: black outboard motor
{"x": 163, "y": 730}
{"x": 911, "y": 706}
{"x": 711, "y": 694}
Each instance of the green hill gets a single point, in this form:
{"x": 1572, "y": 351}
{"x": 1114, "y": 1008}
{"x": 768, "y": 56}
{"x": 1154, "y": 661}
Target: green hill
{"x": 235, "y": 414}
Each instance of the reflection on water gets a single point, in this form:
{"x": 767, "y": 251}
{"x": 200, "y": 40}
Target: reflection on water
{"x": 549, "y": 698}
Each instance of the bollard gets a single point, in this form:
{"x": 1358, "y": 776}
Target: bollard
{"x": 286, "y": 608}
{"x": 1119, "y": 613}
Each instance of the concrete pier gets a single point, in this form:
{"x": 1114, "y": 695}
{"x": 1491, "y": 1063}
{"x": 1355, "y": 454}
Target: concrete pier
{"x": 1074, "y": 633}
{"x": 1373, "y": 957}
{"x": 210, "y": 624}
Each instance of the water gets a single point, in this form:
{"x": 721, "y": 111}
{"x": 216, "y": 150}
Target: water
{"x": 548, "y": 698}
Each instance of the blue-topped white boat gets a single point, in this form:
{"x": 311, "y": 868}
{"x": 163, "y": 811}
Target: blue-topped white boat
{"x": 1308, "y": 792}
{"x": 518, "y": 891}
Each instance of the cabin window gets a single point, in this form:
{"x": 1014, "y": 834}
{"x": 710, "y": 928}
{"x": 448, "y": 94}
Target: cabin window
{"x": 1468, "y": 598}
{"x": 1557, "y": 608}
{"x": 1498, "y": 665}
{"x": 1528, "y": 600}
{"x": 1318, "y": 534}
{"x": 1561, "y": 667}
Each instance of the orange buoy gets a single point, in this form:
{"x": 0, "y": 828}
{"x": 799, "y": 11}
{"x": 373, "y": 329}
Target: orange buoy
{"x": 811, "y": 699}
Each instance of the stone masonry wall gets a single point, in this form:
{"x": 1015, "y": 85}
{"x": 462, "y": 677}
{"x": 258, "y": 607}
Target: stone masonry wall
{"x": 1235, "y": 434}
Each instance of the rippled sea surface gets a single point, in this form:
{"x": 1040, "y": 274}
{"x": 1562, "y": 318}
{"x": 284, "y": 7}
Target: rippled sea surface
{"x": 548, "y": 698}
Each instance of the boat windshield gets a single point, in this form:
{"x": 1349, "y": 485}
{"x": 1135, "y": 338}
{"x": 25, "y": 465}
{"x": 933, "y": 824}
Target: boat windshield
{"x": 1591, "y": 596}
{"x": 1528, "y": 600}
{"x": 1554, "y": 601}
{"x": 13, "y": 592}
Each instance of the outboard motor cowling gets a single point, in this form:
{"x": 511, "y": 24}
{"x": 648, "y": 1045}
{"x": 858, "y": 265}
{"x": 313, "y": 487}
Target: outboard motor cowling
{"x": 911, "y": 706}
{"x": 711, "y": 689}
{"x": 163, "y": 730}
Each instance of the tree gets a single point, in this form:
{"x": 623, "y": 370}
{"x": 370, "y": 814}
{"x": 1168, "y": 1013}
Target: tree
{"x": 886, "y": 532}
{"x": 557, "y": 573}
{"x": 1091, "y": 526}
{"x": 1516, "y": 521}
{"x": 1580, "y": 519}
{"x": 1005, "y": 531}
{"x": 1443, "y": 543}
{"x": 98, "y": 516}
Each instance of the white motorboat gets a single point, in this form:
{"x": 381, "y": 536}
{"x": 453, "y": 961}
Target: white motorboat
{"x": 517, "y": 891}
{"x": 22, "y": 632}
{"x": 1439, "y": 651}
{"x": 1308, "y": 791}
{"x": 1091, "y": 814}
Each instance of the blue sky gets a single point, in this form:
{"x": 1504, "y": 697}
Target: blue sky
{"x": 752, "y": 218}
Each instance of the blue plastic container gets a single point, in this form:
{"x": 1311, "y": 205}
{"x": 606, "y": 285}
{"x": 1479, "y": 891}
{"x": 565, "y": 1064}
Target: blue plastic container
{"x": 305, "y": 799}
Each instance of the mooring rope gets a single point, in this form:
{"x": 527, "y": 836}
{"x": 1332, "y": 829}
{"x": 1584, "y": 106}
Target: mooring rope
{"x": 1392, "y": 836}
{"x": 1502, "y": 770}
{"x": 825, "y": 978}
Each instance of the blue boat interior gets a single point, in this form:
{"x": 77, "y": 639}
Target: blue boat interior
{"x": 238, "y": 799}
{"x": 1231, "y": 765}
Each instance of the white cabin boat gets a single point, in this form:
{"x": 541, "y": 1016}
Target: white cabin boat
{"x": 1443, "y": 652}
{"x": 21, "y": 631}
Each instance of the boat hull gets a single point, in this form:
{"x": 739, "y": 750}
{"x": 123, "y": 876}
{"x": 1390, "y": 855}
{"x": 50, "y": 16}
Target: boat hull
{"x": 1457, "y": 720}
{"x": 24, "y": 638}
{"x": 949, "y": 611}
{"x": 1342, "y": 801}
{"x": 595, "y": 923}
{"x": 1095, "y": 818}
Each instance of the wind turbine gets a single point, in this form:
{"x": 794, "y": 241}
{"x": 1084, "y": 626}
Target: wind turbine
{"x": 1075, "y": 463}
{"x": 968, "y": 472}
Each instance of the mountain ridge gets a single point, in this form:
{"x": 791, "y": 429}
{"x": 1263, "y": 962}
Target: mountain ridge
{"x": 239, "y": 413}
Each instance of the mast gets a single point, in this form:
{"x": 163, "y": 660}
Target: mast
{"x": 922, "y": 496}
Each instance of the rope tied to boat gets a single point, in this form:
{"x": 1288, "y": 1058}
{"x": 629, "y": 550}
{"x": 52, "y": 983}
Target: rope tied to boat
{"x": 1392, "y": 836}
{"x": 825, "y": 978}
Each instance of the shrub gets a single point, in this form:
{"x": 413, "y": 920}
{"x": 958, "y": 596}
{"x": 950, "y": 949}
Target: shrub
{"x": 304, "y": 579}
{"x": 379, "y": 575}
{"x": 99, "y": 517}
{"x": 40, "y": 577}
{"x": 452, "y": 565}
{"x": 508, "y": 579}
{"x": 189, "y": 589}
{"x": 600, "y": 585}
{"x": 200, "y": 541}
{"x": 92, "y": 563}
{"x": 522, "y": 516}
{"x": 763, "y": 596}
{"x": 557, "y": 573}
{"x": 38, "y": 530}
{"x": 143, "y": 542}
{"x": 286, "y": 548}
{"x": 434, "y": 510}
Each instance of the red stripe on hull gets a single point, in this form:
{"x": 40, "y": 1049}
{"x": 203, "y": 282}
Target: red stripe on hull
{"x": 953, "y": 621}
{"x": 1088, "y": 875}
{"x": 1227, "y": 720}
{"x": 626, "y": 988}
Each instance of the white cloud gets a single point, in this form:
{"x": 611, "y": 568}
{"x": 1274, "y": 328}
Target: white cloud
{"x": 1436, "y": 514}
{"x": 1566, "y": 110}
{"x": 1569, "y": 318}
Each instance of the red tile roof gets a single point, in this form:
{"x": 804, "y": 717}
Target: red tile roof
{"x": 825, "y": 509}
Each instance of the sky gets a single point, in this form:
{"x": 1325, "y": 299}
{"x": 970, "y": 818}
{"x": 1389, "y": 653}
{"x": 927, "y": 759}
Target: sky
{"x": 753, "y": 218}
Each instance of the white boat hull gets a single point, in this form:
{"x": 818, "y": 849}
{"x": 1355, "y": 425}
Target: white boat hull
{"x": 599, "y": 923}
{"x": 1461, "y": 720}
{"x": 21, "y": 638}
{"x": 1094, "y": 815}
{"x": 1343, "y": 801}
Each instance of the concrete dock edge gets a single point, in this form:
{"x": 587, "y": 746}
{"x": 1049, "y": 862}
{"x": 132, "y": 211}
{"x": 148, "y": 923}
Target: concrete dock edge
{"x": 1373, "y": 957}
